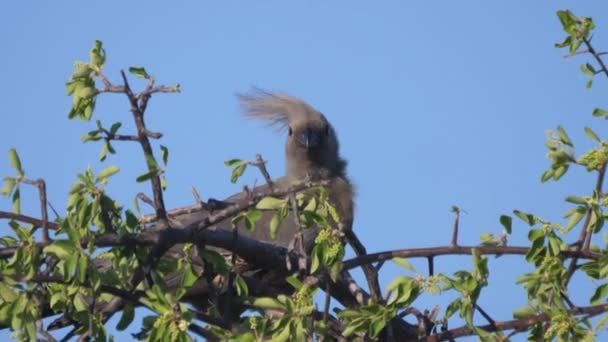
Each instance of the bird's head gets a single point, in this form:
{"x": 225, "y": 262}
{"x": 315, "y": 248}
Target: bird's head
{"x": 312, "y": 149}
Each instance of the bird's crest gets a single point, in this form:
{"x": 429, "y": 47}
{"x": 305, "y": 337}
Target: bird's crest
{"x": 280, "y": 109}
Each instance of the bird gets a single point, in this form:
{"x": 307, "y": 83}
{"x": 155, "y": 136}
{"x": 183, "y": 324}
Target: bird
{"x": 312, "y": 153}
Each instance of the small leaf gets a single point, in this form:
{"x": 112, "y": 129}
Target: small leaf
{"x": 559, "y": 172}
{"x": 576, "y": 200}
{"x": 139, "y": 72}
{"x": 404, "y": 263}
{"x": 13, "y": 157}
{"x": 275, "y": 222}
{"x": 107, "y": 173}
{"x": 600, "y": 112}
{"x": 146, "y": 176}
{"x": 128, "y": 313}
{"x": 295, "y": 282}
{"x": 237, "y": 172}
{"x": 268, "y": 203}
{"x": 241, "y": 286}
{"x": 547, "y": 175}
{"x": 591, "y": 134}
{"x": 115, "y": 126}
{"x": 588, "y": 69}
{"x": 17, "y": 201}
{"x": 9, "y": 184}
{"x": 268, "y": 303}
{"x": 524, "y": 312}
{"x": 563, "y": 137}
{"x": 600, "y": 292}
{"x": 62, "y": 249}
{"x": 164, "y": 151}
{"x": 506, "y": 222}
{"x": 317, "y": 256}
{"x": 575, "y": 218}
{"x": 104, "y": 151}
{"x": 234, "y": 162}
{"x": 215, "y": 259}
{"x": 98, "y": 54}
{"x": 189, "y": 277}
{"x": 527, "y": 218}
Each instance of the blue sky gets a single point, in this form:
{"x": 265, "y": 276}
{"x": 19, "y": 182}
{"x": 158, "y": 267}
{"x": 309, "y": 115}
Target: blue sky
{"x": 436, "y": 104}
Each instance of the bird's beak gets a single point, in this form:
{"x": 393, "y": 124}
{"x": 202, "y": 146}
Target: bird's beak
{"x": 308, "y": 138}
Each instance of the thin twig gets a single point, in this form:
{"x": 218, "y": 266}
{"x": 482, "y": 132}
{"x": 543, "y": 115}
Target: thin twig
{"x": 261, "y": 165}
{"x": 456, "y": 212}
{"x": 458, "y": 250}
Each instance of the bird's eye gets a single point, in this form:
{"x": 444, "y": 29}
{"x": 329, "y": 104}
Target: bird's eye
{"x": 326, "y": 129}
{"x": 290, "y": 131}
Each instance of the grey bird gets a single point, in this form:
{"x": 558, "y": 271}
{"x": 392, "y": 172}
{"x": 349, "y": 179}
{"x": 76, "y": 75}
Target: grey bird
{"x": 311, "y": 154}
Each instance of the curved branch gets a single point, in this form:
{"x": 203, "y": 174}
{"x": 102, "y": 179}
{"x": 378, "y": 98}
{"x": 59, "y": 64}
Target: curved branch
{"x": 516, "y": 324}
{"x": 430, "y": 252}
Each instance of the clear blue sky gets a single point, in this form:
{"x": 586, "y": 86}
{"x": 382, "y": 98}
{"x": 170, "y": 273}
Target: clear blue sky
{"x": 436, "y": 104}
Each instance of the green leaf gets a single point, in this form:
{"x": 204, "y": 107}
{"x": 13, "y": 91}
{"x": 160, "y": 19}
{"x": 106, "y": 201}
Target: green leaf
{"x": 83, "y": 266}
{"x": 576, "y": 200}
{"x": 563, "y": 137}
{"x": 254, "y": 215}
{"x": 453, "y": 307}
{"x": 269, "y": 203}
{"x": 82, "y": 70}
{"x": 105, "y": 148}
{"x": 241, "y": 286}
{"x": 376, "y": 326}
{"x": 98, "y": 54}
{"x": 146, "y": 176}
{"x": 559, "y": 172}
{"x": 13, "y": 157}
{"x": 576, "y": 217}
{"x": 91, "y": 136}
{"x": 588, "y": 69}
{"x": 234, "y": 162}
{"x": 600, "y": 112}
{"x": 61, "y": 249}
{"x": 107, "y": 173}
{"x": 164, "y": 151}
{"x": 506, "y": 222}
{"x": 128, "y": 313}
{"x": 275, "y": 222}
{"x": 189, "y": 277}
{"x": 317, "y": 257}
{"x": 268, "y": 303}
{"x": 566, "y": 42}
{"x": 6, "y": 293}
{"x": 9, "y": 184}
{"x": 404, "y": 263}
{"x": 237, "y": 172}
{"x": 547, "y": 175}
{"x": 295, "y": 282}
{"x": 600, "y": 292}
{"x": 568, "y": 20}
{"x": 591, "y": 134}
{"x": 86, "y": 92}
{"x": 527, "y": 218}
{"x": 17, "y": 201}
{"x": 215, "y": 259}
{"x": 589, "y": 83}
{"x": 139, "y": 72}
